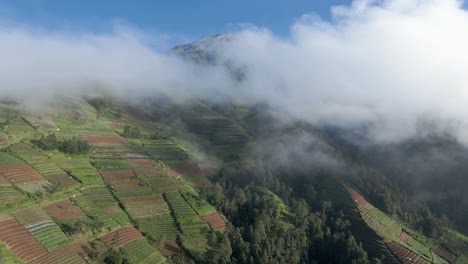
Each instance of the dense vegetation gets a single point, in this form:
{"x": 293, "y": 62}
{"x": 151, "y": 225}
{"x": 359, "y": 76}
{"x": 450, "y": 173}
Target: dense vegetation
{"x": 69, "y": 146}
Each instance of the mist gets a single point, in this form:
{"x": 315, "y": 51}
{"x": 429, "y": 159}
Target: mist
{"x": 390, "y": 66}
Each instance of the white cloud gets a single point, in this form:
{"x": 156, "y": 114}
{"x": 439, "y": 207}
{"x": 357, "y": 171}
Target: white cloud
{"x": 386, "y": 63}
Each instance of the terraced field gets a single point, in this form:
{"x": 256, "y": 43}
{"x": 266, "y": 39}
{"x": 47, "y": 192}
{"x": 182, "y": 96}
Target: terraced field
{"x": 20, "y": 241}
{"x": 405, "y": 255}
{"x": 76, "y": 253}
{"x": 8, "y": 257}
{"x": 82, "y": 170}
{"x": 139, "y": 251}
{"x": 215, "y": 221}
{"x": 10, "y": 196}
{"x": 163, "y": 184}
{"x": 41, "y": 226}
{"x": 99, "y": 204}
{"x": 164, "y": 150}
{"x": 446, "y": 254}
{"x": 121, "y": 236}
{"x": 160, "y": 227}
{"x": 64, "y": 210}
{"x": 378, "y": 221}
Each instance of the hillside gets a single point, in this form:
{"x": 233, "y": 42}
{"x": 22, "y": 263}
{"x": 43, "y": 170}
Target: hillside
{"x": 102, "y": 179}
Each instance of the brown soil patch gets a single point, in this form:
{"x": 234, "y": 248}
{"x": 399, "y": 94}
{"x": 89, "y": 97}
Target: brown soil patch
{"x": 63, "y": 180}
{"x": 20, "y": 174}
{"x": 72, "y": 254}
{"x": 117, "y": 175}
{"x": 20, "y": 241}
{"x": 64, "y": 210}
{"x": 214, "y": 220}
{"x": 405, "y": 255}
{"x": 121, "y": 236}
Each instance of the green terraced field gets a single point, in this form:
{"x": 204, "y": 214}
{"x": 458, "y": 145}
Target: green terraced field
{"x": 140, "y": 251}
{"x": 6, "y": 159}
{"x": 51, "y": 237}
{"x": 162, "y": 184}
{"x": 132, "y": 193}
{"x": 9, "y": 195}
{"x": 160, "y": 228}
{"x": 7, "y": 257}
{"x": 82, "y": 170}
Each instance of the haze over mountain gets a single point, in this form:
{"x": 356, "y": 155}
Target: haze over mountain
{"x": 347, "y": 136}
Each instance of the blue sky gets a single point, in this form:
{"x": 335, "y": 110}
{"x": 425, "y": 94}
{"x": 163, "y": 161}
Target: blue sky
{"x": 187, "y": 19}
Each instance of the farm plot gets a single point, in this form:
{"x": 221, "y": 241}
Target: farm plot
{"x": 200, "y": 206}
{"x": 19, "y": 127}
{"x": 50, "y": 235}
{"x": 374, "y": 218}
{"x": 164, "y": 150}
{"x": 20, "y": 241}
{"x": 113, "y": 147}
{"x": 405, "y": 255}
{"x": 117, "y": 175}
{"x": 8, "y": 257}
{"x": 160, "y": 228}
{"x": 149, "y": 208}
{"x": 162, "y": 184}
{"x": 227, "y": 138}
{"x": 184, "y": 167}
{"x": 64, "y": 210}
{"x": 62, "y": 180}
{"x": 446, "y": 254}
{"x": 82, "y": 170}
{"x": 133, "y": 193}
{"x": 170, "y": 249}
{"x": 31, "y": 216}
{"x": 188, "y": 220}
{"x": 139, "y": 251}
{"x": 76, "y": 253}
{"x": 111, "y": 165}
{"x": 6, "y": 159}
{"x": 406, "y": 238}
{"x": 215, "y": 221}
{"x": 99, "y": 204}
{"x": 9, "y": 195}
{"x": 121, "y": 236}
{"x": 208, "y": 167}
{"x": 197, "y": 181}
{"x": 4, "y": 140}
{"x": 145, "y": 168}
{"x": 41, "y": 226}
{"x": 20, "y": 174}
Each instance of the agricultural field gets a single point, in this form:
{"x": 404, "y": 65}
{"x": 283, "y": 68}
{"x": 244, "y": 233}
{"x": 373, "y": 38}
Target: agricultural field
{"x": 140, "y": 251}
{"x": 200, "y": 206}
{"x": 193, "y": 228}
{"x": 145, "y": 168}
{"x": 163, "y": 184}
{"x": 164, "y": 150}
{"x": 405, "y": 255}
{"x": 145, "y": 207}
{"x": 159, "y": 228}
{"x": 408, "y": 246}
{"x": 112, "y": 147}
{"x": 63, "y": 210}
{"x": 10, "y": 196}
{"x": 101, "y": 206}
{"x": 8, "y": 257}
{"x": 82, "y": 170}
{"x": 121, "y": 236}
{"x": 227, "y": 139}
{"x": 20, "y": 241}
{"x": 76, "y": 253}
{"x": 41, "y": 226}
{"x": 215, "y": 221}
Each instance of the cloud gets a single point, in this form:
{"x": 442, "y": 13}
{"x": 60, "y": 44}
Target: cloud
{"x": 387, "y": 65}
